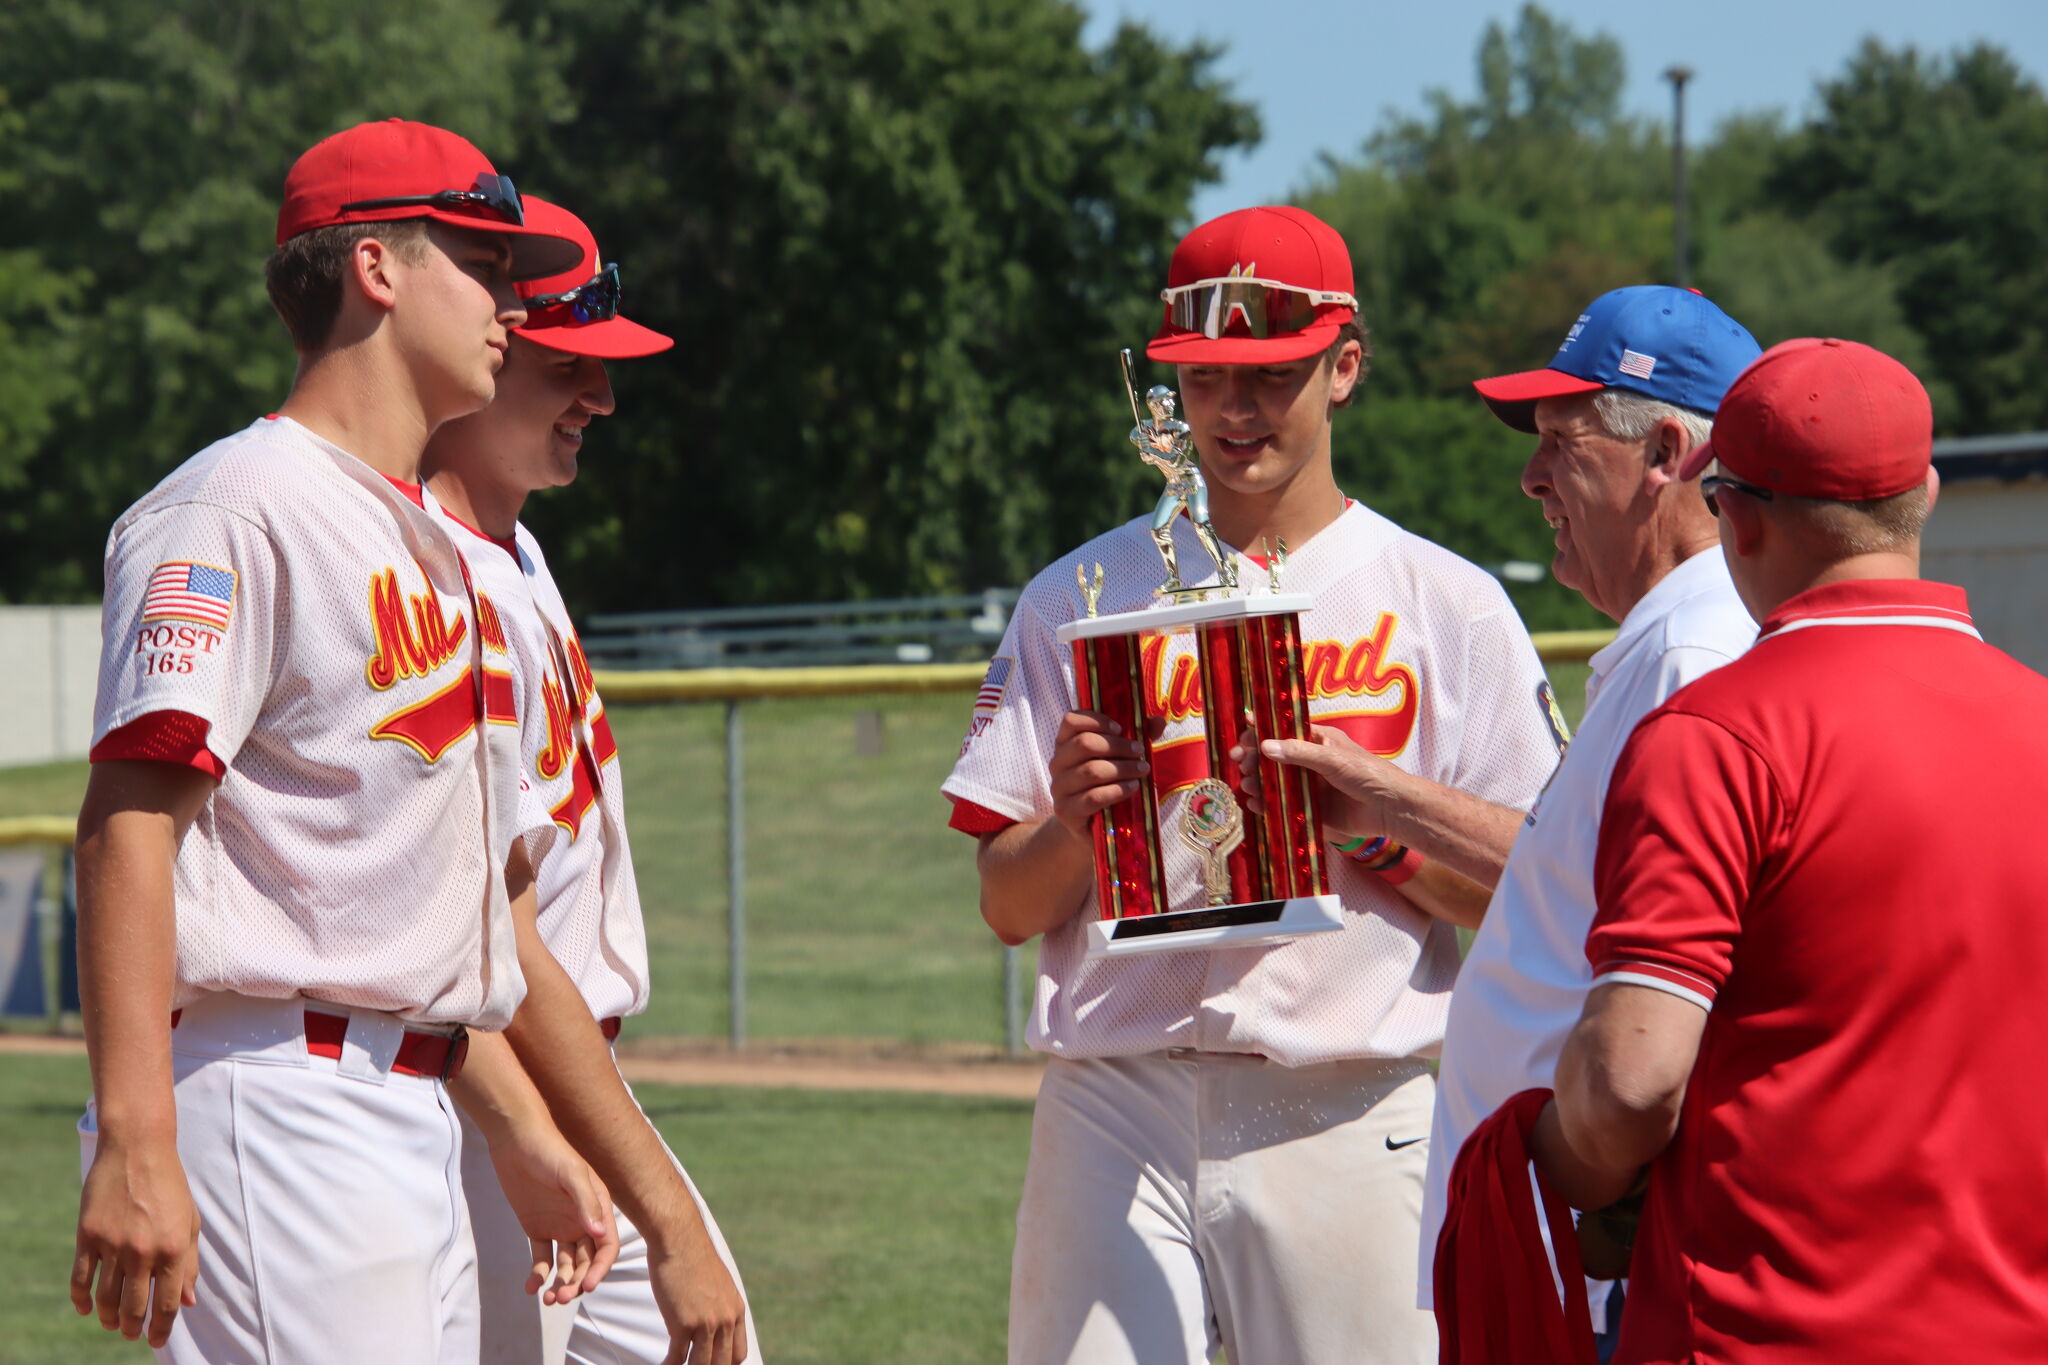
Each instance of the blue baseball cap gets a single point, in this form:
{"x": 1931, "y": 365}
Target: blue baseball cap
{"x": 1670, "y": 344}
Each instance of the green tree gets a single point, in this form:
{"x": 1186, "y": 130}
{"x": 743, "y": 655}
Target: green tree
{"x": 1478, "y": 228}
{"x": 1478, "y": 231}
{"x": 1935, "y": 170}
{"x": 143, "y": 145}
{"x": 899, "y": 242}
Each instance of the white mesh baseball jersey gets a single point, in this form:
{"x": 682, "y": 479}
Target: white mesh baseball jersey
{"x": 289, "y": 596}
{"x": 569, "y": 763}
{"x": 1413, "y": 652}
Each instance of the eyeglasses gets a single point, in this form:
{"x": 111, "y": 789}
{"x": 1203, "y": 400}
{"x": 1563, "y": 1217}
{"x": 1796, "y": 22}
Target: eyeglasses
{"x": 1268, "y": 307}
{"x": 595, "y": 300}
{"x": 1714, "y": 483}
{"x": 494, "y": 192}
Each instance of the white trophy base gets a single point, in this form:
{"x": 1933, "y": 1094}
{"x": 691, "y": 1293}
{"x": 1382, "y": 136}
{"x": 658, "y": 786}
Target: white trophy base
{"x": 1172, "y": 615}
{"x": 1221, "y": 926}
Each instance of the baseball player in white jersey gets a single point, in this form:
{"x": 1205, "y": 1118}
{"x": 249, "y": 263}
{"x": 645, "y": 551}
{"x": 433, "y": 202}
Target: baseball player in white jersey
{"x": 1629, "y": 394}
{"x": 1228, "y": 1147}
{"x": 302, "y": 837}
{"x": 673, "y": 1293}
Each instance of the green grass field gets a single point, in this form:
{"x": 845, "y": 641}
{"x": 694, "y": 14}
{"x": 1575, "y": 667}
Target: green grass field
{"x": 870, "y": 1228}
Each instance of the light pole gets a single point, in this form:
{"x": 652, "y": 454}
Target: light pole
{"x": 1678, "y": 76}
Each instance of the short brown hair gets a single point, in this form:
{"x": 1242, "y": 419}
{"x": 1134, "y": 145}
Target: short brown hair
{"x": 1878, "y": 526}
{"x": 1353, "y": 330}
{"x": 305, "y": 274}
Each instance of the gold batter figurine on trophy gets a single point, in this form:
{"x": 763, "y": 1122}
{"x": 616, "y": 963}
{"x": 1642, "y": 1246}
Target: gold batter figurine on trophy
{"x": 1166, "y": 445}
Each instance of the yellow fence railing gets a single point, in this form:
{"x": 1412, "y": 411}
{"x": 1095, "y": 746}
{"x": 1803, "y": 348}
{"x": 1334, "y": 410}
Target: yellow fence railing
{"x": 37, "y": 829}
{"x": 750, "y": 684}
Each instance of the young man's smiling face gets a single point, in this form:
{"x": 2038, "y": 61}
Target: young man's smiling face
{"x": 1258, "y": 426}
{"x": 531, "y": 435}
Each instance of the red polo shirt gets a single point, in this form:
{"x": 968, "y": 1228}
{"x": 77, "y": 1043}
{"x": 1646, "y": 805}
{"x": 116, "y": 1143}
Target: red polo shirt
{"x": 1834, "y": 845}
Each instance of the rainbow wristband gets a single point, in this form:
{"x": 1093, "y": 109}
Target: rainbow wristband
{"x": 1392, "y": 862}
{"x": 1374, "y": 854}
{"x": 1406, "y": 865}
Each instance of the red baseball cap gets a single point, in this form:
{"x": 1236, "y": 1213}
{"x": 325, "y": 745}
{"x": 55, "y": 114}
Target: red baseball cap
{"x": 577, "y": 310}
{"x": 393, "y": 170}
{"x": 1816, "y": 418}
{"x": 1255, "y": 287}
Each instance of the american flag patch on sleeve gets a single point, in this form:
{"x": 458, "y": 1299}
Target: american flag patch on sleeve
{"x": 184, "y": 591}
{"x": 990, "y": 699}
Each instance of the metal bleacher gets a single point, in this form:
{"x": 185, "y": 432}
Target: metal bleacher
{"x": 894, "y": 630}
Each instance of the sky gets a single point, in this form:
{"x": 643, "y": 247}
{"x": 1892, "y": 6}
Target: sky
{"x": 1322, "y": 72}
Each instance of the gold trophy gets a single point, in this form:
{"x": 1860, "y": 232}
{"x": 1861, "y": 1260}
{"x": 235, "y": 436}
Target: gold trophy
{"x": 1264, "y": 877}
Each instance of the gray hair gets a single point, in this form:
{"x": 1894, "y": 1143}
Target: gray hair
{"x": 1632, "y": 417}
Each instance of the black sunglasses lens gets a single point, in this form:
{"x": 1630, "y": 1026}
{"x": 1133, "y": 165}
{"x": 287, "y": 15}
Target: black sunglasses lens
{"x": 500, "y": 196}
{"x": 1713, "y": 508}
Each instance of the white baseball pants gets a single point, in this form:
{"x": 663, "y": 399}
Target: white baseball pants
{"x": 1180, "y": 1202}
{"x": 332, "y": 1225}
{"x": 617, "y": 1324}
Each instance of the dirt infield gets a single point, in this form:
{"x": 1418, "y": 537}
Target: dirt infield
{"x": 805, "y": 1064}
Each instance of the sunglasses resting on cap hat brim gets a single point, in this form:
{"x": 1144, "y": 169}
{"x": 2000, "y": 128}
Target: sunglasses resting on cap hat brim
{"x": 576, "y": 311}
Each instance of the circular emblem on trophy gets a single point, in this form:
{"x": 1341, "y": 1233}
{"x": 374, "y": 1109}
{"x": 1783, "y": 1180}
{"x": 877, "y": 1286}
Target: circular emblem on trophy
{"x": 1213, "y": 825}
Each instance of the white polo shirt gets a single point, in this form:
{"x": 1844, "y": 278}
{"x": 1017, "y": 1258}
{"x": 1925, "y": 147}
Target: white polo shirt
{"x": 1521, "y": 989}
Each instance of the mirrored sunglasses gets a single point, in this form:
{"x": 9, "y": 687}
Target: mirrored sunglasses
{"x": 1268, "y": 307}
{"x": 595, "y": 300}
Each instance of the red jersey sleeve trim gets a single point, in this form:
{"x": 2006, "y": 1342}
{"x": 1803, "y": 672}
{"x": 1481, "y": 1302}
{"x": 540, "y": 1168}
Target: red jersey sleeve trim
{"x": 162, "y": 737}
{"x": 969, "y": 818}
{"x": 1658, "y": 977}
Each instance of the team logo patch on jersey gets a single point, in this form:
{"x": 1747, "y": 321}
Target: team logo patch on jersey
{"x": 185, "y": 591}
{"x": 990, "y": 699}
{"x": 1560, "y": 733}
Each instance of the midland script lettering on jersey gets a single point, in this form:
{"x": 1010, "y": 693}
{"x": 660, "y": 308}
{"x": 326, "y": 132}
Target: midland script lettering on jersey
{"x": 566, "y": 705}
{"x": 501, "y": 695}
{"x": 1331, "y": 669}
{"x": 414, "y": 640}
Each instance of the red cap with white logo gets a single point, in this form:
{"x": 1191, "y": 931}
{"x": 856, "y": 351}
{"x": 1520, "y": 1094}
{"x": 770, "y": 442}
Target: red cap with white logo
{"x": 393, "y": 170}
{"x": 1259, "y": 286}
{"x": 1814, "y": 418}
{"x": 577, "y": 310}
